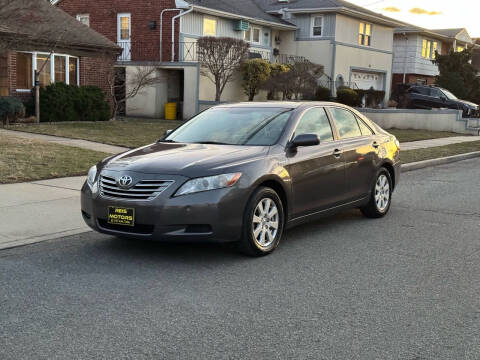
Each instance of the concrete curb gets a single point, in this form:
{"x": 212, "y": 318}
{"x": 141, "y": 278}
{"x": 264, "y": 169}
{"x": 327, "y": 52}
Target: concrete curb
{"x": 440, "y": 161}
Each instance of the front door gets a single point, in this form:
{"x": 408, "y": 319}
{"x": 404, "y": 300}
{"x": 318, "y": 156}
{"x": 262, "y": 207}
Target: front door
{"x": 317, "y": 172}
{"x": 124, "y": 35}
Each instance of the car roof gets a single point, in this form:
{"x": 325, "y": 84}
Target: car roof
{"x": 280, "y": 104}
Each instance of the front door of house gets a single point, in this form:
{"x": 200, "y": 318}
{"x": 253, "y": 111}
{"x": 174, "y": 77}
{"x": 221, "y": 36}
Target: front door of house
{"x": 124, "y": 35}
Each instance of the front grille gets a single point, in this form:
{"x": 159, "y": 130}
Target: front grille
{"x": 143, "y": 190}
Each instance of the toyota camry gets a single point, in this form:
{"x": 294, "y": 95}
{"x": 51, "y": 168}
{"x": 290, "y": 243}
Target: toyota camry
{"x": 244, "y": 173}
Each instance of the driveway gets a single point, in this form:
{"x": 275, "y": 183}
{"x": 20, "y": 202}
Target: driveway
{"x": 404, "y": 287}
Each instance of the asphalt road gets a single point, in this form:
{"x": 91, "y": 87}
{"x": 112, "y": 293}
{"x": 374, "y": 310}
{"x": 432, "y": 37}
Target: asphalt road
{"x": 404, "y": 287}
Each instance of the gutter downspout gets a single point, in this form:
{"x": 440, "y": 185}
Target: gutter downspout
{"x": 173, "y": 29}
{"x": 406, "y": 59}
{"x": 161, "y": 30}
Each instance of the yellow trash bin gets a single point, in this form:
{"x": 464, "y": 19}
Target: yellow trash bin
{"x": 171, "y": 111}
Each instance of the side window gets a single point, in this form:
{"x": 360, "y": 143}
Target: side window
{"x": 315, "y": 121}
{"x": 346, "y": 123}
{"x": 436, "y": 93}
{"x": 364, "y": 128}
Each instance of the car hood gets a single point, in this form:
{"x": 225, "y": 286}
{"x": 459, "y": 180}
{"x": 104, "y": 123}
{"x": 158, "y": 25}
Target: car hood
{"x": 470, "y": 104}
{"x": 191, "y": 160}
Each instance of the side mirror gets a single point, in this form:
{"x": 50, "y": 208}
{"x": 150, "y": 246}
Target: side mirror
{"x": 165, "y": 134}
{"x": 304, "y": 140}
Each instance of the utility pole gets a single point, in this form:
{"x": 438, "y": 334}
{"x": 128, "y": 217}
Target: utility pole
{"x": 37, "y": 96}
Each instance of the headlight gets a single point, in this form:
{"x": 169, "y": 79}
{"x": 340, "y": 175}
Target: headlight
{"x": 208, "y": 183}
{"x": 92, "y": 174}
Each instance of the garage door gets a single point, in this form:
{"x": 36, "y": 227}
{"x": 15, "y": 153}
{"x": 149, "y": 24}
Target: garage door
{"x": 366, "y": 80}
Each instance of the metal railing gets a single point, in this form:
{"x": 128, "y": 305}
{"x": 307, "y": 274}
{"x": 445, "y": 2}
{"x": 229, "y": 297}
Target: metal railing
{"x": 189, "y": 52}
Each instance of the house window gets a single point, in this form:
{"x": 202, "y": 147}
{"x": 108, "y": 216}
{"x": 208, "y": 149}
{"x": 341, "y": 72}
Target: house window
{"x": 209, "y": 27}
{"x": 60, "y": 69}
{"x": 24, "y": 71}
{"x": 365, "y": 34}
{"x": 460, "y": 48}
{"x": 428, "y": 49}
{"x": 73, "y": 71}
{"x": 434, "y": 49}
{"x": 124, "y": 27}
{"x": 64, "y": 69}
{"x": 3, "y": 74}
{"x": 317, "y": 26}
{"x": 252, "y": 35}
{"x": 84, "y": 19}
{"x": 43, "y": 65}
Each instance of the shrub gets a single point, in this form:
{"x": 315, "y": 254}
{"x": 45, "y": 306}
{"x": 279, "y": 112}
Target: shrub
{"x": 91, "y": 104}
{"x": 11, "y": 109}
{"x": 61, "y": 102}
{"x": 348, "y": 97}
{"x": 255, "y": 73}
{"x": 373, "y": 98}
{"x": 323, "y": 94}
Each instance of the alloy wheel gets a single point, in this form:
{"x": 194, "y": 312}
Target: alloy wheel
{"x": 382, "y": 193}
{"x": 265, "y": 223}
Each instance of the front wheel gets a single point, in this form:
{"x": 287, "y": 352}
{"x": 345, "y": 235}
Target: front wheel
{"x": 381, "y": 196}
{"x": 263, "y": 223}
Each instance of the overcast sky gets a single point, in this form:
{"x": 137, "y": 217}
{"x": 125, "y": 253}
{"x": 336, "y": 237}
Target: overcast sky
{"x": 431, "y": 14}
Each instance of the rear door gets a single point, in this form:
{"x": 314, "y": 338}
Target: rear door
{"x": 359, "y": 147}
{"x": 317, "y": 172}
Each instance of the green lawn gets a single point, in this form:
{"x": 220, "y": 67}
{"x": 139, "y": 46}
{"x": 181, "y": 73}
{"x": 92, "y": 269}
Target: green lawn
{"x": 410, "y": 156}
{"x": 26, "y": 160}
{"x": 416, "y": 135}
{"x": 130, "y": 133}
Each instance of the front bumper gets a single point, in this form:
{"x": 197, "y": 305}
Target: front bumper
{"x": 215, "y": 216}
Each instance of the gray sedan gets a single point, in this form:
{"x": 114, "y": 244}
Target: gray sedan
{"x": 244, "y": 173}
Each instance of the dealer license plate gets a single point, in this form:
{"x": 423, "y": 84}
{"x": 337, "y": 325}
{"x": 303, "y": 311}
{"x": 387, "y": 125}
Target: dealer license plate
{"x": 121, "y": 216}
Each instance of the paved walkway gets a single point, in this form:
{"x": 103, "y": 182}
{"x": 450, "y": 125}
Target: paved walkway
{"x": 423, "y": 144}
{"x": 111, "y": 149}
{"x": 84, "y": 144}
{"x": 40, "y": 210}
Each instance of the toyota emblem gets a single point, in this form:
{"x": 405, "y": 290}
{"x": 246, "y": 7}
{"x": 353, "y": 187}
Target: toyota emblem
{"x": 125, "y": 181}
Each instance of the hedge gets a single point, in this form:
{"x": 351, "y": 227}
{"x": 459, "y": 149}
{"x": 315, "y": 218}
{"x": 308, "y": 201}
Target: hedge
{"x": 61, "y": 102}
{"x": 10, "y": 109}
{"x": 348, "y": 97}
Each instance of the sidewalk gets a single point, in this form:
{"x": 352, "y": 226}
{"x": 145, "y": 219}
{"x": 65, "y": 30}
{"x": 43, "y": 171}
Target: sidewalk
{"x": 84, "y": 144}
{"x": 423, "y": 144}
{"x": 40, "y": 210}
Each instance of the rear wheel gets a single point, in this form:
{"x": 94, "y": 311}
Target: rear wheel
{"x": 381, "y": 196}
{"x": 263, "y": 223}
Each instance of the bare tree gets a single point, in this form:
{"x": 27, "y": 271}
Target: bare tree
{"x": 123, "y": 87}
{"x": 220, "y": 58}
{"x": 303, "y": 78}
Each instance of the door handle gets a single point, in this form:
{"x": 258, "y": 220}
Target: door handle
{"x": 337, "y": 153}
{"x": 375, "y": 145}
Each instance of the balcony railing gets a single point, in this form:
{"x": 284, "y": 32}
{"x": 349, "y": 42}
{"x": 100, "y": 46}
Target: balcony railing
{"x": 189, "y": 52}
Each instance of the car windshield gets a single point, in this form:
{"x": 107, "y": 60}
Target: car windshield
{"x": 234, "y": 126}
{"x": 449, "y": 95}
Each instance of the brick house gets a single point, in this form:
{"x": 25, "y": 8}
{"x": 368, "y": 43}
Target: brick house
{"x": 73, "y": 53}
{"x": 145, "y": 33}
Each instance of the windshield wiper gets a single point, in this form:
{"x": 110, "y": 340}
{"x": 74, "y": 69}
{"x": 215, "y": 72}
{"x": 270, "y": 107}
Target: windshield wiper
{"x": 212, "y": 143}
{"x": 166, "y": 141}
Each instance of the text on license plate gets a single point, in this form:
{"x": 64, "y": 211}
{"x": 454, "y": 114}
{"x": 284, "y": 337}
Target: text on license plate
{"x": 121, "y": 216}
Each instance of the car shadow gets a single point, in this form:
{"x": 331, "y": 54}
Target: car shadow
{"x": 224, "y": 252}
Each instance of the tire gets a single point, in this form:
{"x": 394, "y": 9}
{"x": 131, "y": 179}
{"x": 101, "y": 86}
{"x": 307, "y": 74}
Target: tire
{"x": 381, "y": 196}
{"x": 256, "y": 223}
